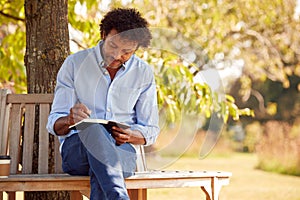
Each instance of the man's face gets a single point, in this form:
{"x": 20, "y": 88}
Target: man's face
{"x": 117, "y": 50}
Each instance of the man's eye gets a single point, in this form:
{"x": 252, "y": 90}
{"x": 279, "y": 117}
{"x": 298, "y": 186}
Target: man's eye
{"x": 128, "y": 52}
{"x": 112, "y": 45}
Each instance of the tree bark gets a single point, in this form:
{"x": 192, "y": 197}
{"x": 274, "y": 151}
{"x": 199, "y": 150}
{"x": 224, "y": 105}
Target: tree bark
{"x": 47, "y": 42}
{"x": 47, "y": 46}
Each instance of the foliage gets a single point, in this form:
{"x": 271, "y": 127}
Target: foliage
{"x": 263, "y": 35}
{"x": 177, "y": 90}
{"x": 12, "y": 48}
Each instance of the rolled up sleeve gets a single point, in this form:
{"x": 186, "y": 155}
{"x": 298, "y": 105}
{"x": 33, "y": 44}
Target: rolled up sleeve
{"x": 147, "y": 114}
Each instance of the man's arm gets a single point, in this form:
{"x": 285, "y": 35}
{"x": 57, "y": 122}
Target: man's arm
{"x": 147, "y": 117}
{"x": 77, "y": 113}
{"x": 61, "y": 126}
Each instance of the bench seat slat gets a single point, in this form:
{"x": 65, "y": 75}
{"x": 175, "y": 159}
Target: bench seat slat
{"x": 33, "y": 183}
{"x": 140, "y": 180}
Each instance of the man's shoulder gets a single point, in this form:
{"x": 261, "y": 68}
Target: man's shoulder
{"x": 139, "y": 62}
{"x": 81, "y": 53}
{"x": 141, "y": 68}
{"x": 81, "y": 58}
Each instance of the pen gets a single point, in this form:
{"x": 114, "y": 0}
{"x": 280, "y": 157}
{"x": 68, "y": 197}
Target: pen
{"x": 88, "y": 110}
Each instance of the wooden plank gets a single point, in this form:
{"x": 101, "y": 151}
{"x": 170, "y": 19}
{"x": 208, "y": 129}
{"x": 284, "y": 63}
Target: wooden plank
{"x": 45, "y": 185}
{"x": 3, "y": 121}
{"x": 157, "y": 174}
{"x": 86, "y": 193}
{"x": 134, "y": 182}
{"x": 61, "y": 182}
{"x": 167, "y": 183}
{"x": 28, "y": 138}
{"x": 4, "y": 133}
{"x": 43, "y": 139}
{"x": 75, "y": 195}
{"x": 137, "y": 194}
{"x": 41, "y": 177}
{"x": 164, "y": 175}
{"x": 3, "y": 96}
{"x": 29, "y": 98}
{"x": 57, "y": 157}
{"x": 14, "y": 136}
{"x": 11, "y": 195}
{"x": 2, "y": 114}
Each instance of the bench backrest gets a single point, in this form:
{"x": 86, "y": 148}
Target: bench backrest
{"x": 21, "y": 115}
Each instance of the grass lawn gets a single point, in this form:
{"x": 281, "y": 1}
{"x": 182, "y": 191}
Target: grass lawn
{"x": 247, "y": 183}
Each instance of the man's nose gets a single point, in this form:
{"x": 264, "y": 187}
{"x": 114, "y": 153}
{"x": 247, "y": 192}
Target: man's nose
{"x": 117, "y": 54}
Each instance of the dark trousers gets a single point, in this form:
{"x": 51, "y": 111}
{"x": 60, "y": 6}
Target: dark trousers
{"x": 93, "y": 152}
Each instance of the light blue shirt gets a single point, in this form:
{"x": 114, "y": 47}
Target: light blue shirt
{"x": 129, "y": 98}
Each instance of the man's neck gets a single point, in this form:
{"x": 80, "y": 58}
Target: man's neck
{"x": 112, "y": 72}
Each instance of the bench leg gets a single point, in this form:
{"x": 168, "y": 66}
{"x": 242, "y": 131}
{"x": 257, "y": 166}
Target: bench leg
{"x": 11, "y": 195}
{"x": 137, "y": 194}
{"x": 212, "y": 191}
{"x": 207, "y": 192}
{"x": 85, "y": 193}
{"x": 134, "y": 194}
{"x": 75, "y": 195}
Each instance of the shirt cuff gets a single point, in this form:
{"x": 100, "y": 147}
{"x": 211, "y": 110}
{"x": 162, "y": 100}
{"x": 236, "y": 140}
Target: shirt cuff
{"x": 51, "y": 121}
{"x": 150, "y": 133}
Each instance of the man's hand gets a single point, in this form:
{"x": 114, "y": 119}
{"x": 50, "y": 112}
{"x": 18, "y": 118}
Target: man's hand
{"x": 78, "y": 112}
{"x": 127, "y": 136}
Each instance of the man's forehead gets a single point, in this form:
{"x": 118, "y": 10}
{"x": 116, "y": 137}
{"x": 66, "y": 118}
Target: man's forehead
{"x": 123, "y": 37}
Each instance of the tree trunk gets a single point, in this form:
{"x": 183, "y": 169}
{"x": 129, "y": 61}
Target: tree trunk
{"x": 47, "y": 42}
{"x": 47, "y": 45}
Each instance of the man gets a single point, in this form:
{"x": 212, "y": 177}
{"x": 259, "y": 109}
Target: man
{"x": 109, "y": 82}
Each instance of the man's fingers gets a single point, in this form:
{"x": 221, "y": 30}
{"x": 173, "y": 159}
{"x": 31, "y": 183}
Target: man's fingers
{"x": 120, "y": 137}
{"x": 81, "y": 111}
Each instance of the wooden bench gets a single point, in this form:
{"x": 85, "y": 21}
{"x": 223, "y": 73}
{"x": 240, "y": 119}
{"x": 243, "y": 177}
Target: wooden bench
{"x": 18, "y": 122}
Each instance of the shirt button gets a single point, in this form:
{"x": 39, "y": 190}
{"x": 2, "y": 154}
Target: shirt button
{"x": 108, "y": 110}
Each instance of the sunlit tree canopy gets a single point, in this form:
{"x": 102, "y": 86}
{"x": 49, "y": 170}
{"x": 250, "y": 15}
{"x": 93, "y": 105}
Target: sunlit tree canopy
{"x": 252, "y": 41}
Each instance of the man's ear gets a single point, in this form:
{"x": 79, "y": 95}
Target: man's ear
{"x": 103, "y": 35}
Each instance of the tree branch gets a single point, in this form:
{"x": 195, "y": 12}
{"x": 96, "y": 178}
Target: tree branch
{"x": 11, "y": 16}
{"x": 78, "y": 43}
{"x": 260, "y": 99}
